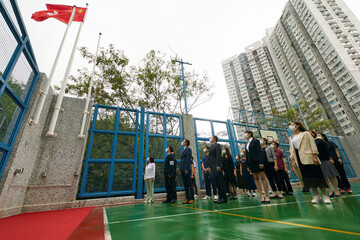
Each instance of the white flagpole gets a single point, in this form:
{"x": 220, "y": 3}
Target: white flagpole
{"x": 44, "y": 92}
{"x": 85, "y": 112}
{"x": 57, "y": 108}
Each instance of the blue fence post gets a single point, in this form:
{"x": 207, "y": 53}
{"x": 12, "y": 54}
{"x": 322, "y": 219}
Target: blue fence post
{"x": 140, "y": 185}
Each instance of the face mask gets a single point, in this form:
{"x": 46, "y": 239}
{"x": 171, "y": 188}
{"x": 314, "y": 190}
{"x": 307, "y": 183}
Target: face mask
{"x": 204, "y": 150}
{"x": 210, "y": 139}
{"x": 245, "y": 135}
{"x": 292, "y": 128}
{"x": 241, "y": 154}
{"x": 318, "y": 137}
{"x": 261, "y": 142}
{"x": 223, "y": 152}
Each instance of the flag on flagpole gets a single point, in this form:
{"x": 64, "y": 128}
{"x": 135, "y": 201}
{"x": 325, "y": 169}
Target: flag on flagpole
{"x": 60, "y": 12}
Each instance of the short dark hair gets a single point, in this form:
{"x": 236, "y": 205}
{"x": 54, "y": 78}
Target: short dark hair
{"x": 206, "y": 147}
{"x": 192, "y": 158}
{"x": 171, "y": 148}
{"x": 216, "y": 138}
{"x": 324, "y": 136}
{"x": 265, "y": 140}
{"x": 151, "y": 159}
{"x": 251, "y": 133}
{"x": 277, "y": 144}
{"x": 187, "y": 141}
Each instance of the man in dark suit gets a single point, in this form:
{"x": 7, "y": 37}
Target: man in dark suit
{"x": 216, "y": 168}
{"x": 185, "y": 171}
{"x": 169, "y": 175}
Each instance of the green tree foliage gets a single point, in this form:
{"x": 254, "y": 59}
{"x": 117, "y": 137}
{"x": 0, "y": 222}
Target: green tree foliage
{"x": 313, "y": 117}
{"x": 154, "y": 83}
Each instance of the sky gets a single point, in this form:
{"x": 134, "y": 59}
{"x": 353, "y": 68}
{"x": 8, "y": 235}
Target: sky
{"x": 202, "y": 32}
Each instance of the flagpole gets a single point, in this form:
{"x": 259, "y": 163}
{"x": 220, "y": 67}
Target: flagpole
{"x": 57, "y": 108}
{"x": 85, "y": 112}
{"x": 43, "y": 93}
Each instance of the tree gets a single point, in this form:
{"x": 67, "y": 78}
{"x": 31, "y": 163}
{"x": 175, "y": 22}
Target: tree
{"x": 313, "y": 118}
{"x": 154, "y": 83}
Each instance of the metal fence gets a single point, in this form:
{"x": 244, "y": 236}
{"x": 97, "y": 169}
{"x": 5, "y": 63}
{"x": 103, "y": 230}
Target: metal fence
{"x": 18, "y": 76}
{"x": 120, "y": 141}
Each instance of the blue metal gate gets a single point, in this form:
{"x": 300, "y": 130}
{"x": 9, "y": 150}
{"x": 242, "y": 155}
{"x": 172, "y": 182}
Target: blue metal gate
{"x": 114, "y": 161}
{"x": 230, "y": 134}
{"x": 18, "y": 76}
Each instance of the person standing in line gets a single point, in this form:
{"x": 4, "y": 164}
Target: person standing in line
{"x": 193, "y": 179}
{"x": 296, "y": 170}
{"x": 327, "y": 164}
{"x": 304, "y": 152}
{"x": 255, "y": 163}
{"x": 271, "y": 167}
{"x": 149, "y": 179}
{"x": 282, "y": 170}
{"x": 216, "y": 169}
{"x": 248, "y": 177}
{"x": 238, "y": 174}
{"x": 185, "y": 171}
{"x": 207, "y": 176}
{"x": 170, "y": 175}
{"x": 229, "y": 167}
{"x": 343, "y": 182}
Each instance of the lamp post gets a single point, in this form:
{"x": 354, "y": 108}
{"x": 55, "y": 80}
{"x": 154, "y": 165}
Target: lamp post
{"x": 298, "y": 106}
{"x": 183, "y": 78}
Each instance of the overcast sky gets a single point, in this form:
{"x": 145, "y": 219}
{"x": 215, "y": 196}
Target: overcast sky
{"x": 202, "y": 32}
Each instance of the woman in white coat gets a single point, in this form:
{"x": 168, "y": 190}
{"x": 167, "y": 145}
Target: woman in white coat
{"x": 304, "y": 153}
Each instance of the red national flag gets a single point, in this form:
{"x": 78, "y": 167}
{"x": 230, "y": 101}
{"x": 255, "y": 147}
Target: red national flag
{"x": 60, "y": 12}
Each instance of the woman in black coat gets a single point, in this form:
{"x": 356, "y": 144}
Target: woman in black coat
{"x": 228, "y": 165}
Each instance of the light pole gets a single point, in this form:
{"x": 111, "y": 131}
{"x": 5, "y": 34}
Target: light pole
{"x": 298, "y": 106}
{"x": 183, "y": 78}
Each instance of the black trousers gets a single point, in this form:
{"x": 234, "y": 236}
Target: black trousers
{"x": 273, "y": 177}
{"x": 220, "y": 183}
{"x": 189, "y": 189}
{"x": 285, "y": 181}
{"x": 170, "y": 187}
{"x": 193, "y": 180}
{"x": 342, "y": 179}
{"x": 209, "y": 179}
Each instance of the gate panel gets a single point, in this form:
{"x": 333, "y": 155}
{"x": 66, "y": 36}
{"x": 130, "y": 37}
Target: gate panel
{"x": 111, "y": 159}
{"x": 163, "y": 130}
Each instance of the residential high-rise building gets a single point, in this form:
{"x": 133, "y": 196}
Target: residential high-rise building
{"x": 315, "y": 51}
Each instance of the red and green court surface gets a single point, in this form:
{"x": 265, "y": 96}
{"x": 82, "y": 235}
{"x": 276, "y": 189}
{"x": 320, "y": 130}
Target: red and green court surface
{"x": 293, "y": 217}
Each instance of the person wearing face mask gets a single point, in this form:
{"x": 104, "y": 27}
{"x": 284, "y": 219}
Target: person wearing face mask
{"x": 238, "y": 173}
{"x": 344, "y": 183}
{"x": 228, "y": 164}
{"x": 186, "y": 171}
{"x": 170, "y": 164}
{"x": 149, "y": 178}
{"x": 271, "y": 167}
{"x": 248, "y": 177}
{"x": 216, "y": 169}
{"x": 327, "y": 164}
{"x": 255, "y": 163}
{"x": 304, "y": 153}
{"x": 207, "y": 176}
{"x": 282, "y": 170}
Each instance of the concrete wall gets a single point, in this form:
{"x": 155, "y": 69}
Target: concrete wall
{"x": 51, "y": 166}
{"x": 351, "y": 145}
{"x": 189, "y": 133}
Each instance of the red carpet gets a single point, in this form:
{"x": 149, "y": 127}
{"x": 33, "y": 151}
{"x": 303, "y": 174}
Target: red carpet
{"x": 52, "y": 225}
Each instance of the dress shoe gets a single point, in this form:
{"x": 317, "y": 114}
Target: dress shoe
{"x": 166, "y": 201}
{"x": 190, "y": 201}
{"x": 186, "y": 202}
{"x": 221, "y": 201}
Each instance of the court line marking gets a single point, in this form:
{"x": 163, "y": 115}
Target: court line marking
{"x": 159, "y": 217}
{"x": 216, "y": 211}
{"x": 106, "y": 223}
{"x": 274, "y": 221}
